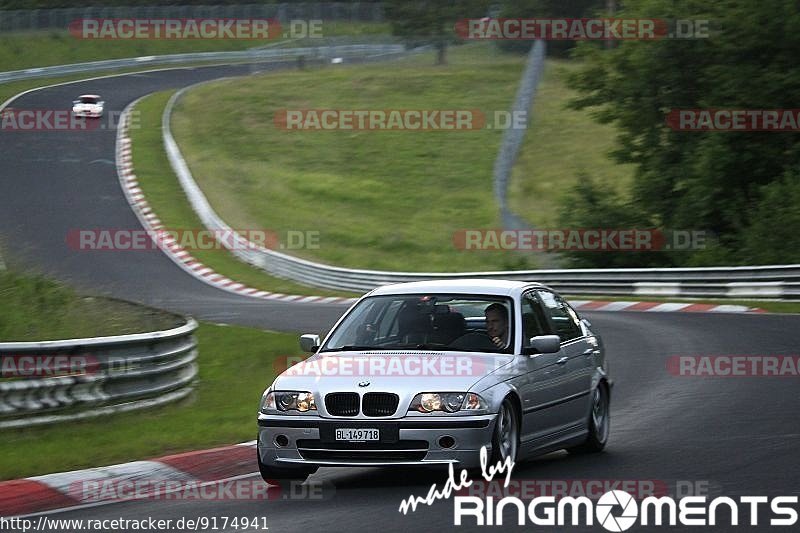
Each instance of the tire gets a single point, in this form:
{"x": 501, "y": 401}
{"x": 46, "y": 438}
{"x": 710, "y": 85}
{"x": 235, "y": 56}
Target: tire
{"x": 599, "y": 422}
{"x": 283, "y": 477}
{"x": 505, "y": 439}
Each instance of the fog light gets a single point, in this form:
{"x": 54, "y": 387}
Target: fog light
{"x": 281, "y": 441}
{"x": 447, "y": 441}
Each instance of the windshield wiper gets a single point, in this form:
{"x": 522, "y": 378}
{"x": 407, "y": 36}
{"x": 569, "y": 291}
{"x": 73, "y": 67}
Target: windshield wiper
{"x": 351, "y": 347}
{"x": 417, "y": 346}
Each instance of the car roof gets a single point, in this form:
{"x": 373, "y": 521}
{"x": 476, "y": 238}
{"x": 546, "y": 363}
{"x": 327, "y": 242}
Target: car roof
{"x": 499, "y": 287}
{"x": 89, "y": 96}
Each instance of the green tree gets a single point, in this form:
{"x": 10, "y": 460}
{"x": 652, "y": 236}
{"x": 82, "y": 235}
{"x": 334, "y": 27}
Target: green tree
{"x": 432, "y": 22}
{"x": 556, "y": 9}
{"x": 588, "y": 206}
{"x": 713, "y": 181}
{"x": 774, "y": 235}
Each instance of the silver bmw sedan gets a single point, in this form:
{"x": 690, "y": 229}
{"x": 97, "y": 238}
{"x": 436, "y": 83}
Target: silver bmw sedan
{"x": 428, "y": 373}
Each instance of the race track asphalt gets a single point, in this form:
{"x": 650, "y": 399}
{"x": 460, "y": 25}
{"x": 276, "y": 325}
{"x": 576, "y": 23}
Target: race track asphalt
{"x": 56, "y": 181}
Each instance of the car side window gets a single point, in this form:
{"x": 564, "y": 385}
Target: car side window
{"x": 534, "y": 322}
{"x": 564, "y": 319}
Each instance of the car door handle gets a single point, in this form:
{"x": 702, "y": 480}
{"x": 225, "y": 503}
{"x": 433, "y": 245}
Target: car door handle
{"x": 562, "y": 361}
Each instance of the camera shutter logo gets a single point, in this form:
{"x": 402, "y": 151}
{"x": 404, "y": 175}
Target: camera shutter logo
{"x": 608, "y": 501}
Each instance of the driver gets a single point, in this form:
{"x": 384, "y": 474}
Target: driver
{"x": 497, "y": 324}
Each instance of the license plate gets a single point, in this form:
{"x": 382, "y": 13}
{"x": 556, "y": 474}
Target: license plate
{"x": 357, "y": 434}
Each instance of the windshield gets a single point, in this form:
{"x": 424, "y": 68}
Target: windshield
{"x": 89, "y": 99}
{"x": 426, "y": 322}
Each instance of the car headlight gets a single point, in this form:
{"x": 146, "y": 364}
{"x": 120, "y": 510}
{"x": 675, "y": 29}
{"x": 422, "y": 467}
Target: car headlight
{"x": 301, "y": 401}
{"x": 449, "y": 402}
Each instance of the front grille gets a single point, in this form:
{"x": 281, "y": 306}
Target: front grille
{"x": 380, "y": 403}
{"x": 373, "y": 403}
{"x": 342, "y": 403}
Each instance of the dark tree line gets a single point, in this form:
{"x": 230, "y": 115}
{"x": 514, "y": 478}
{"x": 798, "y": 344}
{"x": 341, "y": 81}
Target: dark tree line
{"x": 741, "y": 187}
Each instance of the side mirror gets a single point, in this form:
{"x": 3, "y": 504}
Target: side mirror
{"x": 586, "y": 322}
{"x": 543, "y": 344}
{"x": 309, "y": 342}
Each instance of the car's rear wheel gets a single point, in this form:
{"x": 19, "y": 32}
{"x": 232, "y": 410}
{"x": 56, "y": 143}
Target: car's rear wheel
{"x": 283, "y": 477}
{"x": 599, "y": 422}
{"x": 505, "y": 440}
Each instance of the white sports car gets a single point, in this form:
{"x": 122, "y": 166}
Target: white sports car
{"x": 88, "y": 105}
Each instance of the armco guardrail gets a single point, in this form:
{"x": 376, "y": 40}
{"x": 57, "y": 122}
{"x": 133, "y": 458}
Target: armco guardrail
{"x": 252, "y": 55}
{"x": 780, "y": 281}
{"x": 109, "y": 375}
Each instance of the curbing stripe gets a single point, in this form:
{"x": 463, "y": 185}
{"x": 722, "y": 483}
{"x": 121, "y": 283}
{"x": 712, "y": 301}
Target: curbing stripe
{"x": 593, "y": 305}
{"x": 661, "y": 307}
{"x": 642, "y": 306}
{"x": 65, "y": 490}
{"x": 615, "y": 306}
{"x": 210, "y": 465}
{"x": 667, "y": 308}
{"x": 24, "y": 496}
{"x": 727, "y": 308}
{"x": 699, "y": 308}
{"x": 72, "y": 483}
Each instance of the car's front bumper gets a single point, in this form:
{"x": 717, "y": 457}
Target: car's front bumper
{"x": 405, "y": 441}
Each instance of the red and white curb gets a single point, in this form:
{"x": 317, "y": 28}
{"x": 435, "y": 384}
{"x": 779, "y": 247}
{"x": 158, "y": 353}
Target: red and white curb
{"x": 661, "y": 307}
{"x": 151, "y": 222}
{"x": 67, "y": 490}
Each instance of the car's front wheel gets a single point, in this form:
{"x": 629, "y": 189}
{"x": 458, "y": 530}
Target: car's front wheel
{"x": 283, "y": 477}
{"x": 599, "y": 422}
{"x": 505, "y": 439}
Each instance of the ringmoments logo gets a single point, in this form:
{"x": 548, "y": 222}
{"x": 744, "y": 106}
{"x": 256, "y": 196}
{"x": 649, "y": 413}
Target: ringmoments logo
{"x": 618, "y": 510}
{"x": 615, "y": 510}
